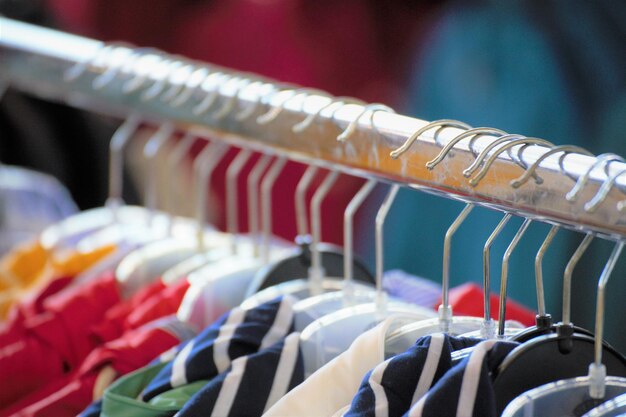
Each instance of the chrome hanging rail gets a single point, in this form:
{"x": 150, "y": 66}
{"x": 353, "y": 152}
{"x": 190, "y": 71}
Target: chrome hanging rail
{"x": 525, "y": 176}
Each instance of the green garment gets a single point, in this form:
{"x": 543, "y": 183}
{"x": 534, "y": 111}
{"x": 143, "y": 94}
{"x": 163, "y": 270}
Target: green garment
{"x": 122, "y": 398}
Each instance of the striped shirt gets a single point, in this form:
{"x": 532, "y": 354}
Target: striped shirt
{"x": 392, "y": 387}
{"x": 252, "y": 384}
{"x": 466, "y": 390}
{"x": 236, "y": 334}
{"x": 246, "y": 361}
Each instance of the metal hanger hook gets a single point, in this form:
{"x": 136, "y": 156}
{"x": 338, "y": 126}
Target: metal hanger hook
{"x": 478, "y": 161}
{"x": 437, "y": 123}
{"x": 169, "y": 67}
{"x": 120, "y": 60}
{"x": 77, "y": 70}
{"x": 541, "y": 300}
{"x": 232, "y": 205}
{"x": 253, "y": 199}
{"x": 333, "y": 102}
{"x": 379, "y": 243}
{"x": 302, "y": 219}
{"x": 603, "y": 192}
{"x": 566, "y": 149}
{"x": 150, "y": 152}
{"x": 445, "y": 310}
{"x": 504, "y": 279}
{"x": 174, "y": 160}
{"x": 275, "y": 111}
{"x": 348, "y": 217}
{"x": 317, "y": 272}
{"x": 567, "y": 277}
{"x": 509, "y": 145}
{"x": 116, "y": 159}
{"x": 488, "y": 329}
{"x": 205, "y": 104}
{"x": 471, "y": 133}
{"x": 204, "y": 166}
{"x": 597, "y": 371}
{"x": 266, "y": 204}
{"x": 370, "y": 108}
{"x": 604, "y": 159}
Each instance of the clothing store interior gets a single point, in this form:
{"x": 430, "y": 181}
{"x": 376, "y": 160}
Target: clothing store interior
{"x": 312, "y": 208}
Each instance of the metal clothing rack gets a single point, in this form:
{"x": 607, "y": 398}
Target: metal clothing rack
{"x": 258, "y": 113}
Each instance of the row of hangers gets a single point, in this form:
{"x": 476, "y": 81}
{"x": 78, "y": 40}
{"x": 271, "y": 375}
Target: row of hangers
{"x": 338, "y": 297}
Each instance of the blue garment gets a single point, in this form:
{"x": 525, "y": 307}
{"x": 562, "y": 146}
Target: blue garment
{"x": 235, "y": 334}
{"x": 395, "y": 385}
{"x": 252, "y": 384}
{"x": 240, "y": 349}
{"x": 466, "y": 390}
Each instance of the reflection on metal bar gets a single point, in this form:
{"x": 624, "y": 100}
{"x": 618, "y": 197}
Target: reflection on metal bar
{"x": 36, "y": 60}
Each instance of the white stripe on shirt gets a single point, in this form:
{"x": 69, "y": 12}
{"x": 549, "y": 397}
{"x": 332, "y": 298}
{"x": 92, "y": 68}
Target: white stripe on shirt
{"x": 222, "y": 342}
{"x": 282, "y": 322}
{"x": 284, "y": 370}
{"x": 430, "y": 367}
{"x": 229, "y": 388}
{"x": 418, "y": 408}
{"x": 381, "y": 407}
{"x": 471, "y": 378}
{"x": 179, "y": 372}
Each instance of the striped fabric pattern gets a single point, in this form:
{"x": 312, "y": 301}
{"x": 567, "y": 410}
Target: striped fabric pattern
{"x": 395, "y": 385}
{"x": 236, "y": 334}
{"x": 252, "y": 384}
{"x": 466, "y": 390}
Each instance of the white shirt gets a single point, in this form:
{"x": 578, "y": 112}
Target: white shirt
{"x": 332, "y": 387}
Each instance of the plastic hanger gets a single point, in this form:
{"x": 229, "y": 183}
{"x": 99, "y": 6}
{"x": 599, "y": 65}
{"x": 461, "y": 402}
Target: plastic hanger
{"x": 332, "y": 334}
{"x": 352, "y": 293}
{"x": 577, "y": 395}
{"x": 220, "y": 286}
{"x": 561, "y": 354}
{"x": 615, "y": 407}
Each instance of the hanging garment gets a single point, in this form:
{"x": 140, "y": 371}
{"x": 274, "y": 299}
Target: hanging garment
{"x": 75, "y": 322}
{"x": 333, "y": 386}
{"x": 29, "y": 202}
{"x": 164, "y": 388}
{"x": 69, "y": 395}
{"x": 466, "y": 390}
{"x": 392, "y": 387}
{"x": 31, "y": 268}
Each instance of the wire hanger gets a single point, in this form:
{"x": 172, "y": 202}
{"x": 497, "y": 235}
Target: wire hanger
{"x": 576, "y": 392}
{"x": 331, "y": 334}
{"x": 561, "y": 354}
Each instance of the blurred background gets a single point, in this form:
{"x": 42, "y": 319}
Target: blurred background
{"x": 551, "y": 69}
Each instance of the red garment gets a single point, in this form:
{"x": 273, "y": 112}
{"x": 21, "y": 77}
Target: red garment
{"x": 55, "y": 341}
{"x": 12, "y": 330}
{"x": 73, "y": 323}
{"x": 69, "y": 395}
{"x": 467, "y": 300}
